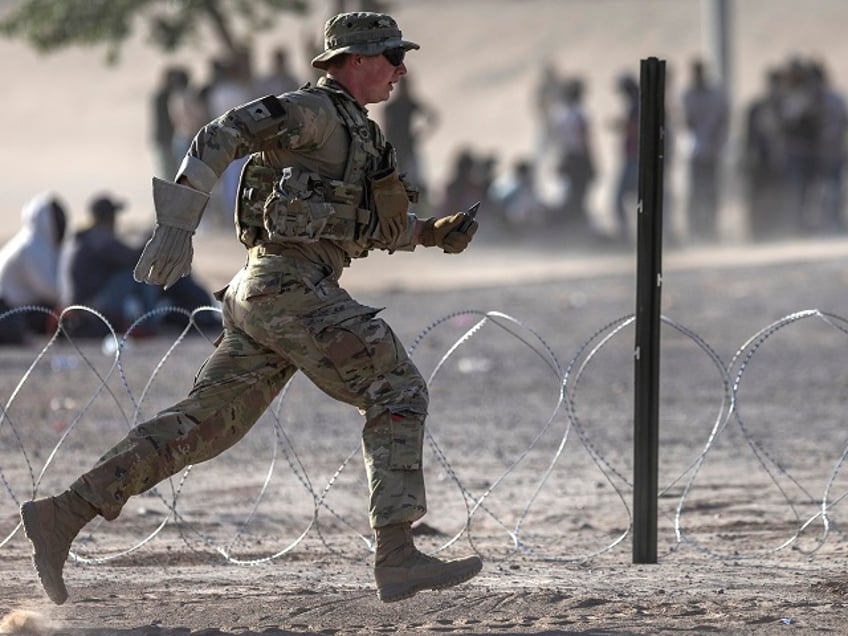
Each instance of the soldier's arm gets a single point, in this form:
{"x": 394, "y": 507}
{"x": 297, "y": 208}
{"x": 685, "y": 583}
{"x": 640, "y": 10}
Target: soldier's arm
{"x": 263, "y": 124}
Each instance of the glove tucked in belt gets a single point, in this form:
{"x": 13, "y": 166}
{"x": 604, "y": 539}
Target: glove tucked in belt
{"x": 392, "y": 203}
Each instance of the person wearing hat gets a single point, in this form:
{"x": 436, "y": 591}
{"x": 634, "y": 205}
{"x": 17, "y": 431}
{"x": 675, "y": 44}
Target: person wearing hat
{"x": 319, "y": 189}
{"x": 96, "y": 270}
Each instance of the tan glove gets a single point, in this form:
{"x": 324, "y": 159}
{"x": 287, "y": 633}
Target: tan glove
{"x": 167, "y": 256}
{"x": 392, "y": 203}
{"x": 444, "y": 232}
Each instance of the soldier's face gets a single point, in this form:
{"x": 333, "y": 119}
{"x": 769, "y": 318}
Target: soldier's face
{"x": 379, "y": 77}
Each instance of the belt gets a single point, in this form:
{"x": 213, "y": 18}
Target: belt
{"x": 268, "y": 249}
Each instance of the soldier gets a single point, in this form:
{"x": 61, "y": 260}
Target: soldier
{"x": 320, "y": 188}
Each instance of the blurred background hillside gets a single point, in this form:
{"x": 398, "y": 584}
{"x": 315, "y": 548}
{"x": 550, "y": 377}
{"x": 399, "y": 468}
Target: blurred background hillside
{"x": 77, "y": 126}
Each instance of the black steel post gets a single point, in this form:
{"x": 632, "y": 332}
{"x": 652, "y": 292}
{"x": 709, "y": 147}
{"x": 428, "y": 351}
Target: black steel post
{"x": 648, "y": 288}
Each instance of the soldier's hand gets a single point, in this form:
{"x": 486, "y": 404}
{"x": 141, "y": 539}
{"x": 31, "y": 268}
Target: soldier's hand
{"x": 445, "y": 232}
{"x": 392, "y": 203}
{"x": 166, "y": 257}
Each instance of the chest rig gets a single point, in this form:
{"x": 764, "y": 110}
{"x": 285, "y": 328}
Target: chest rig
{"x": 291, "y": 204}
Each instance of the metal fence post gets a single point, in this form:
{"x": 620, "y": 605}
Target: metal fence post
{"x": 648, "y": 288}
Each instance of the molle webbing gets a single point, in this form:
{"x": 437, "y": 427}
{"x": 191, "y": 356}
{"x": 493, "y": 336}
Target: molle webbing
{"x": 366, "y": 139}
{"x": 351, "y": 215}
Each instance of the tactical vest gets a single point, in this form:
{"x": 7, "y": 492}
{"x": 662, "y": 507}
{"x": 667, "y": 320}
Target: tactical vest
{"x": 296, "y": 205}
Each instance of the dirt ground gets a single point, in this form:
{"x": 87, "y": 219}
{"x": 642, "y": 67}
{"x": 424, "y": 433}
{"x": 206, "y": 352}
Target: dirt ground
{"x": 271, "y": 538}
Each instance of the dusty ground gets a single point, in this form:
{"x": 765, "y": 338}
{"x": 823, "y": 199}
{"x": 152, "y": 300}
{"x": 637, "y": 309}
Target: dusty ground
{"x": 552, "y": 480}
{"x": 541, "y": 490}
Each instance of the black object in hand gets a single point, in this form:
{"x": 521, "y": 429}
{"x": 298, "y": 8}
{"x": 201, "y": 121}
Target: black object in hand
{"x": 470, "y": 213}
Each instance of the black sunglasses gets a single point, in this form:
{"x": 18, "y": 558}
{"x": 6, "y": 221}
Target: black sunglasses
{"x": 395, "y": 56}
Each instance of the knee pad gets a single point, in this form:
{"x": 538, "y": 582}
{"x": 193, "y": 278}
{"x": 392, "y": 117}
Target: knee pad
{"x": 393, "y": 442}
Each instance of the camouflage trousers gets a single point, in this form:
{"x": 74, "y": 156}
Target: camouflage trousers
{"x": 282, "y": 315}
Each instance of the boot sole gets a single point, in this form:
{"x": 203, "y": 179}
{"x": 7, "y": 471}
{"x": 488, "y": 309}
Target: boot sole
{"x": 55, "y": 590}
{"x": 400, "y": 592}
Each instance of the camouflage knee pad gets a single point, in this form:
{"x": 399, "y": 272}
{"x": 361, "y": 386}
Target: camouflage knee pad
{"x": 392, "y": 447}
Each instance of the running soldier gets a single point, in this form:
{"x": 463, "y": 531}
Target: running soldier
{"x": 320, "y": 188}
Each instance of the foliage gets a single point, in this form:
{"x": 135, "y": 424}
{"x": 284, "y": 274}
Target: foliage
{"x": 50, "y": 25}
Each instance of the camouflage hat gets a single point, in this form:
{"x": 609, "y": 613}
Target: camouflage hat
{"x": 361, "y": 32}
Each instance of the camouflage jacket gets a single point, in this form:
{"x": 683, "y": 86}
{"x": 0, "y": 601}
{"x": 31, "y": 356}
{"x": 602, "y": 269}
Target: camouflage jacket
{"x": 318, "y": 137}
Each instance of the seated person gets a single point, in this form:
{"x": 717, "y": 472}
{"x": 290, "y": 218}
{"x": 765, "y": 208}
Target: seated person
{"x": 97, "y": 272}
{"x": 518, "y": 200}
{"x": 29, "y": 269}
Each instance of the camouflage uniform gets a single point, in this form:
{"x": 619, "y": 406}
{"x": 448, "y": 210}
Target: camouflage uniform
{"x": 311, "y": 153}
{"x": 320, "y": 187}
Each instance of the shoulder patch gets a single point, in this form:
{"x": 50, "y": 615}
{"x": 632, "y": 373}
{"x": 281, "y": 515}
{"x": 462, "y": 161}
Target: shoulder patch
{"x": 266, "y": 107}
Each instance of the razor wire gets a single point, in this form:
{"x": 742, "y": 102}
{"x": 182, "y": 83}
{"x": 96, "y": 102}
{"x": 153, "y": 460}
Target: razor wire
{"x": 564, "y": 421}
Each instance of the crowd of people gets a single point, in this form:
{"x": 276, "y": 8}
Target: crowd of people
{"x": 792, "y": 164}
{"x": 550, "y": 191}
{"x": 513, "y": 196}
{"x": 45, "y": 268}
{"x": 794, "y": 158}
{"x": 792, "y": 155}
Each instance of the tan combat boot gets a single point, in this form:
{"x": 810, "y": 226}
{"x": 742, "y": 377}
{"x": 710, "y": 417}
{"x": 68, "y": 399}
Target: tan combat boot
{"x": 51, "y": 525}
{"x": 401, "y": 570}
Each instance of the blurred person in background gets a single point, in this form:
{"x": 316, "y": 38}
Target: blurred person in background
{"x": 832, "y": 137}
{"x": 516, "y": 200}
{"x": 576, "y": 163}
{"x": 406, "y": 119}
{"x": 187, "y": 111}
{"x": 801, "y": 125}
{"x": 766, "y": 163}
{"x": 548, "y": 94}
{"x": 707, "y": 116}
{"x": 546, "y": 97}
{"x": 96, "y": 271}
{"x": 234, "y": 86}
{"x": 626, "y": 126}
{"x": 280, "y": 78}
{"x": 467, "y": 183}
{"x": 29, "y": 268}
{"x": 165, "y": 164}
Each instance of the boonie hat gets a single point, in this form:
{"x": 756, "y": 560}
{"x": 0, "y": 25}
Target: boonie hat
{"x": 361, "y": 32}
{"x": 104, "y": 205}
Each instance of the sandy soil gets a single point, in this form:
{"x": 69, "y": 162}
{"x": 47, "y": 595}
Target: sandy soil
{"x": 541, "y": 490}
